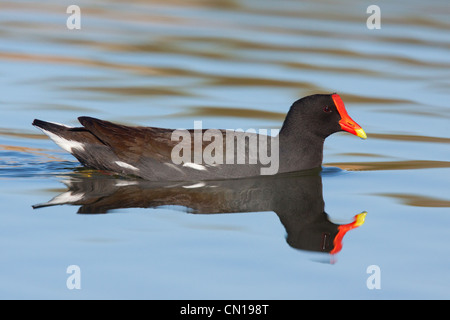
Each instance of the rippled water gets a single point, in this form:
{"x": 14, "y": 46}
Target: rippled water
{"x": 231, "y": 64}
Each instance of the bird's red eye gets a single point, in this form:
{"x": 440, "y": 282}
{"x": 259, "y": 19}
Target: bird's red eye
{"x": 326, "y": 109}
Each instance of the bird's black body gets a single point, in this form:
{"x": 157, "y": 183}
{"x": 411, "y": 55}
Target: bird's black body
{"x": 154, "y": 153}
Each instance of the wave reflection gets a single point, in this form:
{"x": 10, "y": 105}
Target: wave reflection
{"x": 296, "y": 198}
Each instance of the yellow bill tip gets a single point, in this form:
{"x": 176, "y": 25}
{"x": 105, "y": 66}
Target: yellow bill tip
{"x": 360, "y": 133}
{"x": 360, "y": 219}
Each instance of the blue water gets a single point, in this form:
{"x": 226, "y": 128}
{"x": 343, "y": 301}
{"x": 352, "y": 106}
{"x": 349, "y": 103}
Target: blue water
{"x": 167, "y": 64}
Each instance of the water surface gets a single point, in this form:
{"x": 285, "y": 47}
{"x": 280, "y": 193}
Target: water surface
{"x": 231, "y": 64}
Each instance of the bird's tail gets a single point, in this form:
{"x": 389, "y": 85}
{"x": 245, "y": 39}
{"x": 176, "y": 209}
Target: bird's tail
{"x": 64, "y": 136}
{"x": 51, "y": 127}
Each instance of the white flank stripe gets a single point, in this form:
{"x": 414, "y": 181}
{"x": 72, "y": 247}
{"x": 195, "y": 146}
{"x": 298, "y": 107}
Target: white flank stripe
{"x": 194, "y": 166}
{"x": 171, "y": 165}
{"x": 126, "y": 166}
{"x": 67, "y": 145}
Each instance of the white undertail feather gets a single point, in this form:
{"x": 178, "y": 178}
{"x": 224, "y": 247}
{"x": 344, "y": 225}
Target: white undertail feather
{"x": 68, "y": 145}
{"x": 66, "y": 197}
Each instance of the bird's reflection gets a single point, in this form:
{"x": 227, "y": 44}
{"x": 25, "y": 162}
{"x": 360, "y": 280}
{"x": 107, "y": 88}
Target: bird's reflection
{"x": 296, "y": 198}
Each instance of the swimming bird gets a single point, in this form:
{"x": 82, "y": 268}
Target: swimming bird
{"x": 161, "y": 154}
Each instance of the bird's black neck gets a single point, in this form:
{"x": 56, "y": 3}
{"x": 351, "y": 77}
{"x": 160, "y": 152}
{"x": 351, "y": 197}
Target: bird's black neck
{"x": 299, "y": 150}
